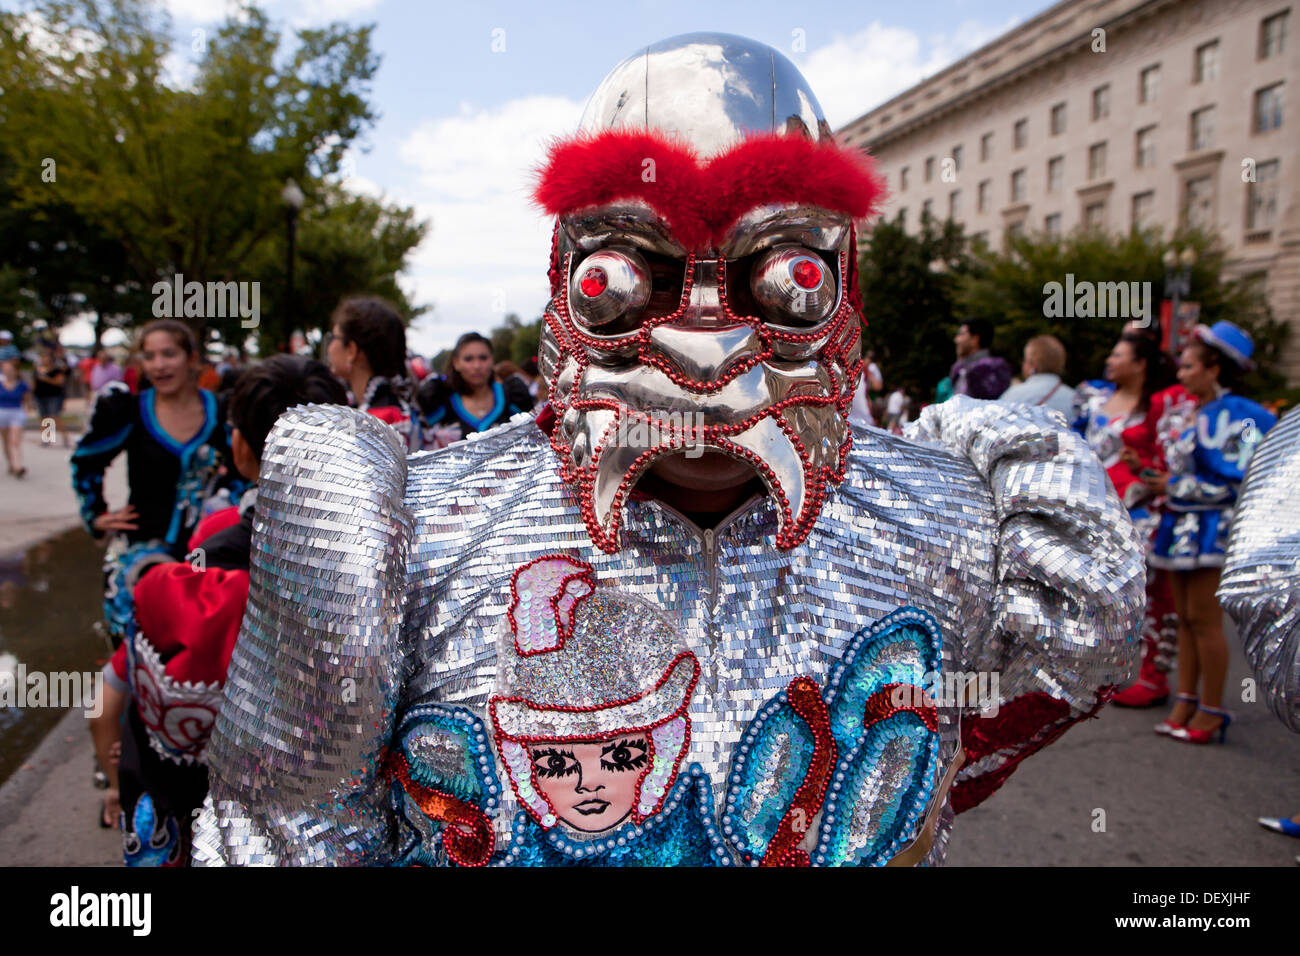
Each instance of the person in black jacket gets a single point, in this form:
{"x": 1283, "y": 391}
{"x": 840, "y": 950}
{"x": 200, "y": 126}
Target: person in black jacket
{"x": 469, "y": 399}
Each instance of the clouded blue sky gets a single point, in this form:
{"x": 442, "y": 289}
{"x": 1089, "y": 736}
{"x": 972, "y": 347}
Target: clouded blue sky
{"x": 463, "y": 124}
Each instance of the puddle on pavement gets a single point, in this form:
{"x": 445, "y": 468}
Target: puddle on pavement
{"x": 50, "y": 601}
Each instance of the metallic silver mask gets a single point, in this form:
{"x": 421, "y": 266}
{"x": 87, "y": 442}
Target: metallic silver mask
{"x": 702, "y": 279}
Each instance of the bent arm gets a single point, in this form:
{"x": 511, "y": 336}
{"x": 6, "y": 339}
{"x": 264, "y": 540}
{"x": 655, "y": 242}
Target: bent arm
{"x": 1069, "y": 584}
{"x": 313, "y": 680}
{"x": 1260, "y": 587}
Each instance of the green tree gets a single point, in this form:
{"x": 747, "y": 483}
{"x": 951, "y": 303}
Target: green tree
{"x": 347, "y": 245}
{"x": 908, "y": 285}
{"x": 1008, "y": 289}
{"x": 186, "y": 178}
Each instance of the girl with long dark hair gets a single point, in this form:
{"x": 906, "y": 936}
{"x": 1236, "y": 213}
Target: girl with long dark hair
{"x": 470, "y": 399}
{"x": 367, "y": 349}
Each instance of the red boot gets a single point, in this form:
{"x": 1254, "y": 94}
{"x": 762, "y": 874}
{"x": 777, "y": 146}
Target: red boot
{"x": 1145, "y": 693}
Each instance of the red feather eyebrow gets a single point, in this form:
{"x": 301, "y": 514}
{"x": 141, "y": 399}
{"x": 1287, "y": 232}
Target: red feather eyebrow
{"x": 697, "y": 200}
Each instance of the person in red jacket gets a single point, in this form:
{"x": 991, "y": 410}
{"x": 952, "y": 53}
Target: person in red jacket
{"x": 187, "y": 617}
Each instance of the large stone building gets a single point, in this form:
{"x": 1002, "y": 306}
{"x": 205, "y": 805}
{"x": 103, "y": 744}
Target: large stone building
{"x": 1110, "y": 113}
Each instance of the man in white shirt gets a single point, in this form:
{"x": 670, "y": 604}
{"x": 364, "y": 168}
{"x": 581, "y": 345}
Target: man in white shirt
{"x": 1043, "y": 364}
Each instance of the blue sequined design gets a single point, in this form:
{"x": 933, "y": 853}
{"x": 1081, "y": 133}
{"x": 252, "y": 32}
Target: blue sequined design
{"x": 448, "y": 749}
{"x": 897, "y": 756}
{"x": 682, "y": 833}
{"x": 903, "y": 648}
{"x": 150, "y": 842}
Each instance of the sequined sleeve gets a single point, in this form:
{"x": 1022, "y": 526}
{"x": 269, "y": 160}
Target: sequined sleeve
{"x": 1070, "y": 579}
{"x": 1260, "y": 587}
{"x": 309, "y": 695}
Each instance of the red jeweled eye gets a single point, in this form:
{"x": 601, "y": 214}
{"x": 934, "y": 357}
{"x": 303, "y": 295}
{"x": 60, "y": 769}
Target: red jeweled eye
{"x": 609, "y": 290}
{"x": 593, "y": 282}
{"x": 807, "y": 274}
{"x": 793, "y": 286}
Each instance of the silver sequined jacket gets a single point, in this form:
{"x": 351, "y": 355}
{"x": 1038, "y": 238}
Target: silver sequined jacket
{"x": 380, "y": 581}
{"x": 1260, "y": 587}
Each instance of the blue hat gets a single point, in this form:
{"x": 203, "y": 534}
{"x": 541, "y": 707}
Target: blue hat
{"x": 1230, "y": 340}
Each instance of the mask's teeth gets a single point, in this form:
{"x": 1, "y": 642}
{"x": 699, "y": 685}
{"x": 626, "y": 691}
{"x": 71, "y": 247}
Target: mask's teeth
{"x": 787, "y": 482}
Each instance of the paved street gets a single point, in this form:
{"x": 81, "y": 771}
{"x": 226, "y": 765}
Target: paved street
{"x": 42, "y": 504}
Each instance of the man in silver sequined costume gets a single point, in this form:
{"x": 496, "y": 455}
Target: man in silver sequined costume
{"x": 725, "y": 619}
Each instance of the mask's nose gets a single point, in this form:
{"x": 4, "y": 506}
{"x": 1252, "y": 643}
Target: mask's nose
{"x": 704, "y": 343}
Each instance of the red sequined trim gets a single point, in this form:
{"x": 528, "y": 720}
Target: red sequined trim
{"x": 563, "y": 628}
{"x": 784, "y": 850}
{"x": 468, "y": 837}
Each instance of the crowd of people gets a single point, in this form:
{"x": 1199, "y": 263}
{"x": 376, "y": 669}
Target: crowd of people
{"x": 194, "y": 431}
{"x": 175, "y": 572}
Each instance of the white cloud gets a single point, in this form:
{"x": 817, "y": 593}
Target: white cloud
{"x": 487, "y": 250}
{"x": 856, "y": 73}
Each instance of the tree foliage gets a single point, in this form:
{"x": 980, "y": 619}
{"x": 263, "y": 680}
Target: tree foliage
{"x": 1008, "y": 289}
{"x": 186, "y": 177}
{"x": 908, "y": 285}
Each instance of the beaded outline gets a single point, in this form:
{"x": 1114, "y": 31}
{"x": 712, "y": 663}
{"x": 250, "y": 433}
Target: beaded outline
{"x": 563, "y": 623}
{"x": 841, "y": 333}
{"x": 681, "y": 711}
{"x": 458, "y": 814}
{"x": 693, "y": 779}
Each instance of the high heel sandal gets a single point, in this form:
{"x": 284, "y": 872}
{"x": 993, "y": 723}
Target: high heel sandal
{"x": 1167, "y": 727}
{"x": 1192, "y": 736}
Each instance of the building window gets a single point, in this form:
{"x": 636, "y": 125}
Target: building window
{"x": 1149, "y": 84}
{"x": 1206, "y": 68}
{"x": 986, "y": 147}
{"x": 929, "y": 168}
{"x": 1272, "y": 35}
{"x": 1143, "y": 203}
{"x": 1268, "y": 108}
{"x": 1020, "y": 134}
{"x": 1094, "y": 215}
{"x": 1096, "y": 160}
{"x": 1055, "y": 174}
{"x": 1101, "y": 102}
{"x": 956, "y": 159}
{"x": 1261, "y": 197}
{"x": 902, "y": 219}
{"x": 982, "y": 199}
{"x": 1018, "y": 186}
{"x": 1052, "y": 225}
{"x": 1058, "y": 119}
{"x": 980, "y": 239}
{"x": 1202, "y": 128}
{"x": 954, "y": 204}
{"x": 902, "y": 180}
{"x": 927, "y": 208}
{"x": 1015, "y": 230}
{"x": 1146, "y": 147}
{"x": 1198, "y": 201}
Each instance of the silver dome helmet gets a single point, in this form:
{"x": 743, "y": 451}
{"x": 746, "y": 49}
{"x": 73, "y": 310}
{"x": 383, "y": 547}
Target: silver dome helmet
{"x": 703, "y": 278}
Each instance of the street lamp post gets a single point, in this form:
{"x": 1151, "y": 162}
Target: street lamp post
{"x": 293, "y": 198}
{"x": 1178, "y": 283}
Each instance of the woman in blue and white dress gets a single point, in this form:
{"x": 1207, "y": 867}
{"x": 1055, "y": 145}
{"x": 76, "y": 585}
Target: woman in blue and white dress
{"x": 1207, "y": 463}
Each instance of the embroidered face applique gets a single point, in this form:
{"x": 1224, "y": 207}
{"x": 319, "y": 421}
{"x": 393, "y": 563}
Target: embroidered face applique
{"x": 592, "y": 720}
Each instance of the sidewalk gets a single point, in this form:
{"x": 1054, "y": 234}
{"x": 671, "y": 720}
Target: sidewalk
{"x": 42, "y": 504}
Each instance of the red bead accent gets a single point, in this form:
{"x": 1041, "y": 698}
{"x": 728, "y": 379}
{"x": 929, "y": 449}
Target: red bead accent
{"x": 593, "y": 282}
{"x": 783, "y": 849}
{"x": 468, "y": 837}
{"x": 806, "y": 274}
